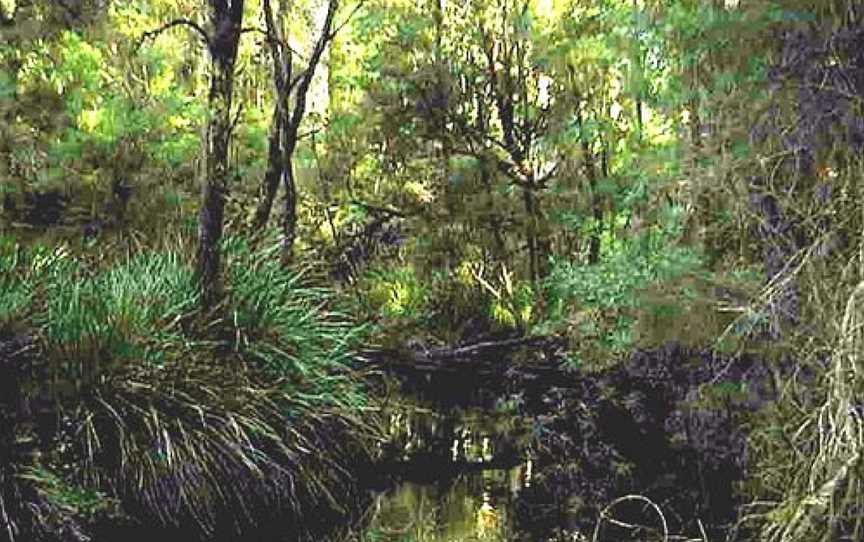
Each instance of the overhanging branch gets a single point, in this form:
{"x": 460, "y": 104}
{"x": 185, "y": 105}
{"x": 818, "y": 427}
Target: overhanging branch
{"x": 167, "y": 26}
{"x": 376, "y": 209}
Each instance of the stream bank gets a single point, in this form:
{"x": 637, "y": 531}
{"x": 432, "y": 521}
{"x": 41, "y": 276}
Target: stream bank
{"x": 471, "y": 455}
{"x": 668, "y": 424}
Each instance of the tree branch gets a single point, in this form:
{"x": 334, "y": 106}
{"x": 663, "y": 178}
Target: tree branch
{"x": 176, "y": 22}
{"x": 271, "y": 38}
{"x": 236, "y": 120}
{"x": 347, "y": 20}
{"x": 309, "y": 72}
{"x": 310, "y": 133}
{"x": 74, "y": 14}
{"x": 299, "y": 77}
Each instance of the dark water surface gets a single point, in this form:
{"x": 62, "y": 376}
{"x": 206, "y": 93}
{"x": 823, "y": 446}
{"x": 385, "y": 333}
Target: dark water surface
{"x": 670, "y": 425}
{"x": 456, "y": 473}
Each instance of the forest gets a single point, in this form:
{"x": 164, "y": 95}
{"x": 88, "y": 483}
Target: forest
{"x": 428, "y": 271}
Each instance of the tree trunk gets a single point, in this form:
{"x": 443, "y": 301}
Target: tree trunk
{"x": 535, "y": 258}
{"x": 292, "y": 128}
{"x": 272, "y": 176}
{"x": 493, "y": 218}
{"x": 282, "y": 60}
{"x": 285, "y": 125}
{"x": 289, "y": 218}
{"x": 226, "y": 19}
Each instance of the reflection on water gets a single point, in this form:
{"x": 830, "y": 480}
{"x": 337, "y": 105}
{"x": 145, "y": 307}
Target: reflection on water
{"x": 458, "y": 475}
{"x": 474, "y": 506}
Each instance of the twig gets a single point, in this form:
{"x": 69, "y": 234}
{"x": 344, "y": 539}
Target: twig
{"x": 7, "y": 521}
{"x": 271, "y": 38}
{"x": 236, "y": 120}
{"x": 702, "y": 530}
{"x": 346, "y": 21}
{"x": 176, "y": 22}
{"x": 310, "y": 133}
{"x": 381, "y": 210}
{"x": 604, "y": 515}
{"x": 473, "y": 349}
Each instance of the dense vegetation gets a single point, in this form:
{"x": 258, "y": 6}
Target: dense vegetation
{"x": 214, "y": 210}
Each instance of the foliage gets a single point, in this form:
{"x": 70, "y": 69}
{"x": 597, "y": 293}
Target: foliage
{"x": 600, "y": 301}
{"x": 398, "y": 293}
{"x": 576, "y": 167}
{"x": 809, "y": 223}
{"x": 182, "y": 432}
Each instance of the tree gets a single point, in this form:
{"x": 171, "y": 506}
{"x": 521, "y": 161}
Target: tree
{"x": 285, "y": 123}
{"x": 226, "y": 17}
{"x": 222, "y": 38}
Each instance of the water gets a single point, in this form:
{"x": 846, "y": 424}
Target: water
{"x": 456, "y": 474}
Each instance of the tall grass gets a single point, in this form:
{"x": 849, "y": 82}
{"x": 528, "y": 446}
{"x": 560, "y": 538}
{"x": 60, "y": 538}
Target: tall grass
{"x": 819, "y": 461}
{"x": 22, "y": 271}
{"x": 207, "y": 448}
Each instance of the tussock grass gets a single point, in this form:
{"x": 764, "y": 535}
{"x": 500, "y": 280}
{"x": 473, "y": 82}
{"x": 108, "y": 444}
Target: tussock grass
{"x": 245, "y": 417}
{"x": 291, "y": 328}
{"x": 30, "y": 512}
{"x": 131, "y": 310}
{"x": 214, "y": 449}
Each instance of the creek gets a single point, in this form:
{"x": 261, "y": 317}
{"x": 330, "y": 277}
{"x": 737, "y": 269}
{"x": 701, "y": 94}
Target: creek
{"x": 535, "y": 454}
{"x": 455, "y": 466}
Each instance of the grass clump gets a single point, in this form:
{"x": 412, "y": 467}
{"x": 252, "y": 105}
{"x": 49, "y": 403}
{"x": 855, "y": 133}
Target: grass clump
{"x": 78, "y": 501}
{"x": 246, "y": 417}
{"x": 215, "y": 450}
{"x": 130, "y": 310}
{"x": 292, "y": 329}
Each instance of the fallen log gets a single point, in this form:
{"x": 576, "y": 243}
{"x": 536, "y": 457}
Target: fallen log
{"x": 481, "y": 349}
{"x": 485, "y": 358}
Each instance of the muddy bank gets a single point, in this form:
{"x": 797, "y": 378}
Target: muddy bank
{"x": 670, "y": 424}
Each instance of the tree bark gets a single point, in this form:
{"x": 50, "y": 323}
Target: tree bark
{"x": 535, "y": 258}
{"x": 289, "y": 217}
{"x": 282, "y": 59}
{"x": 272, "y": 176}
{"x": 226, "y": 17}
